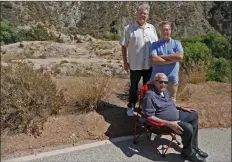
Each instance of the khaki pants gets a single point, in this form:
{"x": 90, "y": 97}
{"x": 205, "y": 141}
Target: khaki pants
{"x": 172, "y": 88}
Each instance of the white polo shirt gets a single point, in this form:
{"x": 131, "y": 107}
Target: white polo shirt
{"x": 138, "y": 41}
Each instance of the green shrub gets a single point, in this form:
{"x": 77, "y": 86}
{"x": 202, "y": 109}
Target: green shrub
{"x": 8, "y": 33}
{"x": 220, "y": 70}
{"x": 196, "y": 56}
{"x": 209, "y": 54}
{"x": 220, "y": 45}
{"x": 37, "y": 33}
{"x": 28, "y": 98}
{"x": 192, "y": 39}
{"x": 110, "y": 36}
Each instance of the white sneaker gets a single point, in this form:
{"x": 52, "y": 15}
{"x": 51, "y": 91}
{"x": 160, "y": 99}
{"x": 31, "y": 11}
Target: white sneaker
{"x": 130, "y": 111}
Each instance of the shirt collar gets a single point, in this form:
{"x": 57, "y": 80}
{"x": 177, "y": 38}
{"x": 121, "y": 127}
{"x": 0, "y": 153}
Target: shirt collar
{"x": 138, "y": 26}
{"x": 166, "y": 41}
{"x": 154, "y": 89}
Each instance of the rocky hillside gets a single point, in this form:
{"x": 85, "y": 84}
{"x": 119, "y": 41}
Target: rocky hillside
{"x": 101, "y": 18}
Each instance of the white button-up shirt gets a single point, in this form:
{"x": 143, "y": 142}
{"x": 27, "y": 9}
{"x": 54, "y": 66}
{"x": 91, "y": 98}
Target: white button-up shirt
{"x": 138, "y": 41}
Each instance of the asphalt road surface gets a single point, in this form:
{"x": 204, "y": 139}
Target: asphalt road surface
{"x": 216, "y": 142}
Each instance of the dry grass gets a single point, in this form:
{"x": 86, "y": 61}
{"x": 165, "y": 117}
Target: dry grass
{"x": 86, "y": 93}
{"x": 8, "y": 58}
{"x": 28, "y": 98}
{"x": 106, "y": 49}
{"x": 185, "y": 96}
{"x": 195, "y": 76}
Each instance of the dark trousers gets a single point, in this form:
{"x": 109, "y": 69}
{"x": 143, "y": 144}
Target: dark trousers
{"x": 135, "y": 76}
{"x": 189, "y": 123}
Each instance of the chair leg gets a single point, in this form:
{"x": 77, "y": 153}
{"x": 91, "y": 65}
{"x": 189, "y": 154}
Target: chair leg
{"x": 174, "y": 138}
{"x": 136, "y": 138}
{"x": 144, "y": 131}
{"x": 169, "y": 145}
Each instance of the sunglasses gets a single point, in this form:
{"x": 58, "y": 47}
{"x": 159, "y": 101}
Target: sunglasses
{"x": 162, "y": 82}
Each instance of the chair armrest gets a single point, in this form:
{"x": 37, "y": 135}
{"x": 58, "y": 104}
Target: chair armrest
{"x": 158, "y": 124}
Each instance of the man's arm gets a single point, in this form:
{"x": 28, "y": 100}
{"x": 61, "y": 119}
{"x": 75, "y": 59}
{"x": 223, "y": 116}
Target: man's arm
{"x": 171, "y": 124}
{"x": 158, "y": 60}
{"x": 173, "y": 57}
{"x": 124, "y": 58}
{"x": 124, "y": 54}
{"x": 124, "y": 43}
{"x": 179, "y": 55}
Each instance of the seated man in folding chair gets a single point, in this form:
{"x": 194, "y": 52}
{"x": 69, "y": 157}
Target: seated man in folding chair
{"x": 159, "y": 107}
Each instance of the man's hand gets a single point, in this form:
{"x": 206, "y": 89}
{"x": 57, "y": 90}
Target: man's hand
{"x": 187, "y": 108}
{"x": 175, "y": 126}
{"x": 165, "y": 57}
{"x": 126, "y": 66}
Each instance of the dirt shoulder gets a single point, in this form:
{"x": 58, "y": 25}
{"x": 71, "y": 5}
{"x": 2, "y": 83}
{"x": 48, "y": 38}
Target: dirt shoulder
{"x": 212, "y": 101}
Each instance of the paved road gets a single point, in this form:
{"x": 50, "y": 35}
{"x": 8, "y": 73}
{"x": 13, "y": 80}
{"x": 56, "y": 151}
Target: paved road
{"x": 217, "y": 142}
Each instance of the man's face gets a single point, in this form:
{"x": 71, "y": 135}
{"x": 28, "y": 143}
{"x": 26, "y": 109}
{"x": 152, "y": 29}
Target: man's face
{"x": 161, "y": 83}
{"x": 142, "y": 15}
{"x": 166, "y": 31}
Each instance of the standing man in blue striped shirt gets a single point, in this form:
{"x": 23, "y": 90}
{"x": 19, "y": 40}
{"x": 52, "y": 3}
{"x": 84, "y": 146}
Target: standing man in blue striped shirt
{"x": 166, "y": 54}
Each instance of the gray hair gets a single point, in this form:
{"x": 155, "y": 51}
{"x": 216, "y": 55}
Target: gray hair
{"x": 144, "y": 6}
{"x": 158, "y": 75}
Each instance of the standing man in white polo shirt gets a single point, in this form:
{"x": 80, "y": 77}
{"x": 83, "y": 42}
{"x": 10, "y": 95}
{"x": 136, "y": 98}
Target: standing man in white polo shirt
{"x": 135, "y": 42}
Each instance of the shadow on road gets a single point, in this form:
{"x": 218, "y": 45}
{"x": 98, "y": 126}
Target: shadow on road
{"x": 148, "y": 149}
{"x": 121, "y": 125}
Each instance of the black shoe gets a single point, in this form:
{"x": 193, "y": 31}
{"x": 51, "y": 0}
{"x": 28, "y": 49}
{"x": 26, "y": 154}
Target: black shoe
{"x": 193, "y": 158}
{"x": 201, "y": 153}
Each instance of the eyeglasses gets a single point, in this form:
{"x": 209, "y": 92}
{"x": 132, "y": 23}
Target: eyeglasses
{"x": 162, "y": 82}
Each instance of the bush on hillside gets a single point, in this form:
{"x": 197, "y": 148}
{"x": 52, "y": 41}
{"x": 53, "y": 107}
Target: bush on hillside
{"x": 220, "y": 45}
{"x": 8, "y": 33}
{"x": 220, "y": 70}
{"x": 110, "y": 36}
{"x": 207, "y": 55}
{"x": 192, "y": 39}
{"x": 28, "y": 98}
{"x": 196, "y": 56}
{"x": 37, "y": 33}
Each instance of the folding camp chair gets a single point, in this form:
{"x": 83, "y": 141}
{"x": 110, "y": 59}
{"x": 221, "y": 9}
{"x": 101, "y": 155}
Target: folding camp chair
{"x": 148, "y": 125}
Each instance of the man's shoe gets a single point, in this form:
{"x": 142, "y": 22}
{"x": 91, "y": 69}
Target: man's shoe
{"x": 193, "y": 158}
{"x": 201, "y": 153}
{"x": 130, "y": 111}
